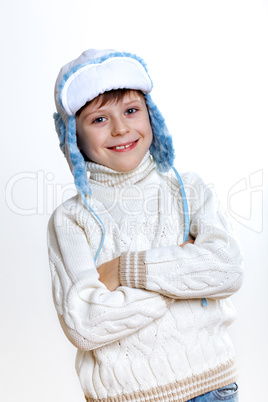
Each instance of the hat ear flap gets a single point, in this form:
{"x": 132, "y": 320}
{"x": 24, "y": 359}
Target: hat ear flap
{"x": 68, "y": 145}
{"x": 162, "y": 145}
{"x": 60, "y": 129}
{"x": 75, "y": 158}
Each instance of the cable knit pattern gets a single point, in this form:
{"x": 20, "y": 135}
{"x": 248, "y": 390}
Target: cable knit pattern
{"x": 178, "y": 391}
{"x": 151, "y": 339}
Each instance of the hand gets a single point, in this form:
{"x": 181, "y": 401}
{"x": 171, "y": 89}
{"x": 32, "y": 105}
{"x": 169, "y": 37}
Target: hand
{"x": 109, "y": 274}
{"x": 189, "y": 241}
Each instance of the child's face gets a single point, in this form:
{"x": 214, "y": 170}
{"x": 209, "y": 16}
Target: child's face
{"x": 116, "y": 135}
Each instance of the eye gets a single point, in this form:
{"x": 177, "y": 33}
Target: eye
{"x": 99, "y": 120}
{"x": 131, "y": 110}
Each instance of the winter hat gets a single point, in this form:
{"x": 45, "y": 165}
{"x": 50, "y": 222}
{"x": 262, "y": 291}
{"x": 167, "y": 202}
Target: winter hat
{"x": 83, "y": 79}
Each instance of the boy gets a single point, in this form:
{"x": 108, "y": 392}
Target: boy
{"x": 140, "y": 277}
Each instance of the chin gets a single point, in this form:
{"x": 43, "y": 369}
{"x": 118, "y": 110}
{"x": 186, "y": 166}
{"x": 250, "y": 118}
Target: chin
{"x": 125, "y": 169}
{"x": 128, "y": 167}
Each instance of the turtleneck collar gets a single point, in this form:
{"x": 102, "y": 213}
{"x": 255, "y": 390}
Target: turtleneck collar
{"x": 108, "y": 177}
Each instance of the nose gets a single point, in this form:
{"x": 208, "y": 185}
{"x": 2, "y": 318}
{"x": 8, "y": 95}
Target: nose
{"x": 120, "y": 127}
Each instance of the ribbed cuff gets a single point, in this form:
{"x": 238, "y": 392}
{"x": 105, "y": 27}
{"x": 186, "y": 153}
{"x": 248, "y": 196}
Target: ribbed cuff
{"x": 132, "y": 270}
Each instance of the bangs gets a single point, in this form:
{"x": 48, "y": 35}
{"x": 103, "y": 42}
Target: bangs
{"x": 113, "y": 96}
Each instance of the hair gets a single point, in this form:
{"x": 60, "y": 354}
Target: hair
{"x": 113, "y": 96}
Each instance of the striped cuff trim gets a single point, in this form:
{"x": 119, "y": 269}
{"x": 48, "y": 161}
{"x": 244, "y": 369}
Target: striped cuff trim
{"x": 132, "y": 270}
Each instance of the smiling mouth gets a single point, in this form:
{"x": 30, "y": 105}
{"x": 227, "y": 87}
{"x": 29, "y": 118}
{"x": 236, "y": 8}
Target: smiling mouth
{"x": 131, "y": 145}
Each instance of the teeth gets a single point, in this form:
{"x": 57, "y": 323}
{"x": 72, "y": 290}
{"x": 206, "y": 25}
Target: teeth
{"x": 124, "y": 146}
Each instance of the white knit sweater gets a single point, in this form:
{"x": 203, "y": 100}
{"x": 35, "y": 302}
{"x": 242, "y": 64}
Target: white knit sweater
{"x": 151, "y": 339}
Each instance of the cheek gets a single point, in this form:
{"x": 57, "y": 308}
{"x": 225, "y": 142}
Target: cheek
{"x": 148, "y": 129}
{"x": 145, "y": 128}
{"x": 150, "y": 134}
{"x": 86, "y": 139}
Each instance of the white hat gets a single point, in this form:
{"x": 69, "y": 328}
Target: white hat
{"x": 91, "y": 74}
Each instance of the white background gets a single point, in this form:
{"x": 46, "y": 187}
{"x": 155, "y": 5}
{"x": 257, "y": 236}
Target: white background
{"x": 209, "y": 64}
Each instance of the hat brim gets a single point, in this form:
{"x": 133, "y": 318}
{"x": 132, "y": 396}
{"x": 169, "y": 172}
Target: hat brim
{"x": 91, "y": 80}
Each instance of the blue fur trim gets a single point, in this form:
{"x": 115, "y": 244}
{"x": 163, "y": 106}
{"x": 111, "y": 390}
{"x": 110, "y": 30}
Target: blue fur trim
{"x": 161, "y": 148}
{"x": 76, "y": 160}
{"x": 60, "y": 129}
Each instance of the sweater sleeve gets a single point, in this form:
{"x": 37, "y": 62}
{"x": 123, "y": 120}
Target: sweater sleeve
{"x": 90, "y": 315}
{"x": 209, "y": 268}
